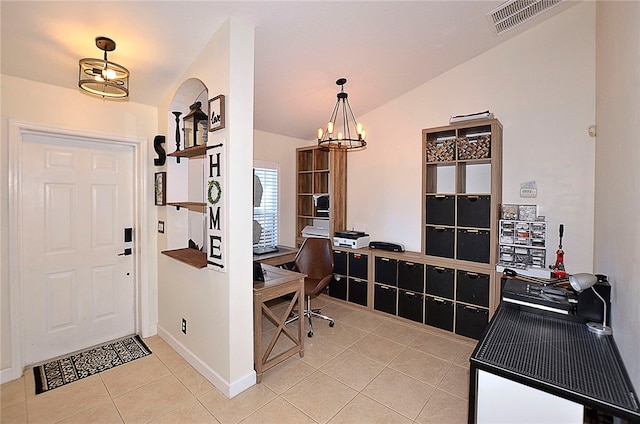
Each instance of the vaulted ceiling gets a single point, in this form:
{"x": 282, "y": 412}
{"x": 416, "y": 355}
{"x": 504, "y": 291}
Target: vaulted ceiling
{"x": 383, "y": 48}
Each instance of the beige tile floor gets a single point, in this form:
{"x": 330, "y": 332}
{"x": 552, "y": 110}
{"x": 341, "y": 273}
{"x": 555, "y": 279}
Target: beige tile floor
{"x": 367, "y": 369}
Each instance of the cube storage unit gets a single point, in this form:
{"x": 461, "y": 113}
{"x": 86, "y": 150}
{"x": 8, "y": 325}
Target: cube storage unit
{"x": 350, "y": 276}
{"x": 320, "y": 173}
{"x": 450, "y": 284}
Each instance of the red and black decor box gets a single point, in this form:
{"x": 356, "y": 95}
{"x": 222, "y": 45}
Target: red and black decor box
{"x": 385, "y": 299}
{"x": 472, "y": 288}
{"x": 473, "y": 245}
{"x": 439, "y": 313}
{"x": 440, "y": 209}
{"x": 440, "y": 281}
{"x": 411, "y": 276}
{"x": 474, "y": 211}
{"x": 358, "y": 265}
{"x": 440, "y": 242}
{"x": 471, "y": 321}
{"x": 410, "y": 305}
{"x": 386, "y": 271}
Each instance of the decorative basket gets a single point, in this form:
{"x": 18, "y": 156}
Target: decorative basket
{"x": 441, "y": 150}
{"x": 474, "y": 148}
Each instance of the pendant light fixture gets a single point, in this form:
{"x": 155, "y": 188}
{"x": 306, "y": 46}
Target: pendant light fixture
{"x": 343, "y": 131}
{"x": 101, "y": 77}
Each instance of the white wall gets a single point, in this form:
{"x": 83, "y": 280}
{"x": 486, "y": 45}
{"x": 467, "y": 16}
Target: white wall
{"x": 540, "y": 85}
{"x": 617, "y": 190}
{"x": 282, "y": 150}
{"x": 217, "y": 306}
{"x": 49, "y": 105}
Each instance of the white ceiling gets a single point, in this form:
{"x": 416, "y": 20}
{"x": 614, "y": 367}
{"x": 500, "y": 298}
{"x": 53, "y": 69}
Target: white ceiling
{"x": 383, "y": 48}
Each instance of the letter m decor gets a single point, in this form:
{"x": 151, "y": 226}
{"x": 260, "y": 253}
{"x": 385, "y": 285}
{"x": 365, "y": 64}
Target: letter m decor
{"x": 216, "y": 210}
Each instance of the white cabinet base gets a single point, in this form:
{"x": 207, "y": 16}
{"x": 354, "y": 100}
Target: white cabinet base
{"x": 500, "y": 400}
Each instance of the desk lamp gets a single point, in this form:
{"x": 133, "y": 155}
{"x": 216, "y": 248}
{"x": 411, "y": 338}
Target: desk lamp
{"x": 583, "y": 281}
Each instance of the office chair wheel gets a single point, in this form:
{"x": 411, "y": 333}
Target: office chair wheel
{"x": 310, "y": 334}
{"x": 331, "y": 323}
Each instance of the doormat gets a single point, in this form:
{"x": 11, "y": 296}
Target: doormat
{"x": 86, "y": 363}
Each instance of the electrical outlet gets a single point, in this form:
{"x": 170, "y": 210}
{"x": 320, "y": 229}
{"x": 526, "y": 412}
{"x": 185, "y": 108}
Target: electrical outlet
{"x": 184, "y": 326}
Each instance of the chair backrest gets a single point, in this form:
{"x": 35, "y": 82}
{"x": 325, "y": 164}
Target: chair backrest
{"x": 315, "y": 258}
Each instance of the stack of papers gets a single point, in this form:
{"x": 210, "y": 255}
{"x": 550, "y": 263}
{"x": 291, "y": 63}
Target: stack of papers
{"x": 462, "y": 118}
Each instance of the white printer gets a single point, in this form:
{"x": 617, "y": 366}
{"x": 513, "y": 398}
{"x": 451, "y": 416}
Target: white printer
{"x": 315, "y": 231}
{"x": 351, "y": 239}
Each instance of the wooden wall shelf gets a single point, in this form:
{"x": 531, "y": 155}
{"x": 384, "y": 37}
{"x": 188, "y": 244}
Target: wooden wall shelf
{"x": 190, "y": 152}
{"x": 192, "y": 206}
{"x": 189, "y": 256}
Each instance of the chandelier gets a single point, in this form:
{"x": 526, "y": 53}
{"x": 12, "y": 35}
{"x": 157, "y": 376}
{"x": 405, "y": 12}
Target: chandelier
{"x": 101, "y": 77}
{"x": 351, "y": 135}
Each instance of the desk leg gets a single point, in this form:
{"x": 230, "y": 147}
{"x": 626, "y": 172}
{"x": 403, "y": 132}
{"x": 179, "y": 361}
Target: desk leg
{"x": 257, "y": 336}
{"x": 473, "y": 388}
{"x": 301, "y": 302}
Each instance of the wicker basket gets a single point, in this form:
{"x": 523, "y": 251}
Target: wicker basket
{"x": 441, "y": 150}
{"x": 474, "y": 148}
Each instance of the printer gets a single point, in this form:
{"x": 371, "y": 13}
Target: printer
{"x": 351, "y": 239}
{"x": 315, "y": 231}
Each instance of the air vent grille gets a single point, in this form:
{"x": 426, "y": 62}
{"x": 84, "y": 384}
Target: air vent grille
{"x": 514, "y": 12}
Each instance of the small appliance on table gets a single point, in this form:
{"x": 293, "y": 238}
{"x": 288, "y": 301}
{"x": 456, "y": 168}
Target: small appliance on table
{"x": 351, "y": 239}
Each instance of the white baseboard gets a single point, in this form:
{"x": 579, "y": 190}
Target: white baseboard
{"x": 9, "y": 374}
{"x": 229, "y": 389}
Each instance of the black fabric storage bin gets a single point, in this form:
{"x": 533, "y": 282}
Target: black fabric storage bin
{"x": 357, "y": 291}
{"x": 338, "y": 287}
{"x": 439, "y": 313}
{"x": 411, "y": 305}
{"x": 411, "y": 276}
{"x": 358, "y": 265}
{"x": 440, "y": 210}
{"x": 386, "y": 271}
{"x": 474, "y": 211}
{"x": 440, "y": 242}
{"x": 385, "y": 299}
{"x": 340, "y": 262}
{"x": 440, "y": 281}
{"x": 473, "y": 288}
{"x": 470, "y": 321}
{"x": 473, "y": 245}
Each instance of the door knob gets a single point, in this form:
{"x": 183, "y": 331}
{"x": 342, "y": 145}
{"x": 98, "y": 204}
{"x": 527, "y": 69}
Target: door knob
{"x": 126, "y": 252}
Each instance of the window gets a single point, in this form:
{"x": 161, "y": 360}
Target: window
{"x": 265, "y": 204}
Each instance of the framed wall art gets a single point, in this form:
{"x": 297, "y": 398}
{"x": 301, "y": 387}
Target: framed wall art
{"x": 160, "y": 186}
{"x": 216, "y": 113}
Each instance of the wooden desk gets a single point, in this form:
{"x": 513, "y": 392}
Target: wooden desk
{"x": 282, "y": 256}
{"x": 278, "y": 282}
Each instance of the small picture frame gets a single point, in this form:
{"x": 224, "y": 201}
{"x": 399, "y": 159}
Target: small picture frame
{"x": 160, "y": 188}
{"x": 216, "y": 113}
{"x": 161, "y": 227}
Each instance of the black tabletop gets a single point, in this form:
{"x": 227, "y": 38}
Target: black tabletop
{"x": 558, "y": 356}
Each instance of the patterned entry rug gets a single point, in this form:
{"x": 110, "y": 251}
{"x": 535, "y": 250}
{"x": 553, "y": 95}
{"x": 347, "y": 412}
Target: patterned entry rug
{"x": 92, "y": 361}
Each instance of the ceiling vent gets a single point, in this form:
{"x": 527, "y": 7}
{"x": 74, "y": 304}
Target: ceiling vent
{"x": 515, "y": 12}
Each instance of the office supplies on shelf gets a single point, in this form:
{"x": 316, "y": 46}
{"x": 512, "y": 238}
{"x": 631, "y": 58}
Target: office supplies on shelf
{"x": 385, "y": 245}
{"x": 315, "y": 231}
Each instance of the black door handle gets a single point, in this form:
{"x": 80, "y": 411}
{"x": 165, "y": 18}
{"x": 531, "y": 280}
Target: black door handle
{"x": 126, "y": 252}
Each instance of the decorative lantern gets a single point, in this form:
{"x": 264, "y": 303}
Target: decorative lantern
{"x": 194, "y": 126}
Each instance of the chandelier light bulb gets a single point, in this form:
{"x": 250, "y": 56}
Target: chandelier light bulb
{"x": 339, "y": 136}
{"x": 359, "y": 128}
{"x": 320, "y": 133}
{"x": 330, "y": 128}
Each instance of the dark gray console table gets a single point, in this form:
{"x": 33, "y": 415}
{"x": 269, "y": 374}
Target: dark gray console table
{"x": 556, "y": 356}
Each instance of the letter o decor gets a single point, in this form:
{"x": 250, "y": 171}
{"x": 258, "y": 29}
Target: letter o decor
{"x": 216, "y": 184}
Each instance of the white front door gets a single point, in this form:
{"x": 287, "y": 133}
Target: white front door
{"x": 76, "y": 201}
